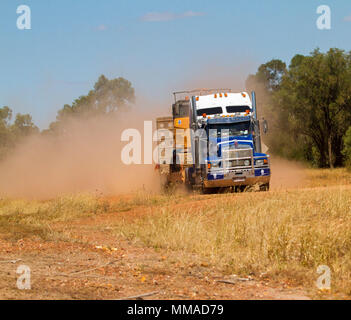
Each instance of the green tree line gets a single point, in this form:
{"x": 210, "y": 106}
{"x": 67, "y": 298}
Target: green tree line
{"x": 107, "y": 96}
{"x": 308, "y": 104}
{"x": 12, "y": 133}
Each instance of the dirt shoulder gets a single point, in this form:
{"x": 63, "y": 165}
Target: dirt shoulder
{"x": 91, "y": 263}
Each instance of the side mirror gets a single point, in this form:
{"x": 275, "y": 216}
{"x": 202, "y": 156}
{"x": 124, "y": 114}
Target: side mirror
{"x": 175, "y": 108}
{"x": 265, "y": 126}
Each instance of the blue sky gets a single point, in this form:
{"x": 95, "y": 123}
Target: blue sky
{"x": 160, "y": 46}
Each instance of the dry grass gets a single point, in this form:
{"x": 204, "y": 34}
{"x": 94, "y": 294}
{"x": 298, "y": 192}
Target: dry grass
{"x": 327, "y": 177}
{"x": 284, "y": 234}
{"x": 21, "y": 218}
{"x": 24, "y": 218}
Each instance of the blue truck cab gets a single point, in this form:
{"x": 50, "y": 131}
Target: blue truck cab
{"x": 220, "y": 142}
{"x": 234, "y": 157}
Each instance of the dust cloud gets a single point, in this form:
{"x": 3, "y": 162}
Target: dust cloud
{"x": 85, "y": 159}
{"x": 88, "y": 159}
{"x": 212, "y": 75}
{"x": 286, "y": 174}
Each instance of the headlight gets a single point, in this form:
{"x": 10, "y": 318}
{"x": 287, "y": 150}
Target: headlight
{"x": 260, "y": 162}
{"x": 247, "y": 163}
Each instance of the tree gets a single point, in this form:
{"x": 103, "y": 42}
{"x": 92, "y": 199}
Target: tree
{"x": 113, "y": 95}
{"x": 271, "y": 74}
{"x": 107, "y": 96}
{"x": 316, "y": 96}
{"x": 347, "y": 147}
{"x": 11, "y": 134}
{"x": 265, "y": 83}
{"x": 6, "y": 140}
{"x": 23, "y": 126}
{"x": 309, "y": 104}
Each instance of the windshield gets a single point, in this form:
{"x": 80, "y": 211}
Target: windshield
{"x": 209, "y": 111}
{"x": 229, "y": 129}
{"x": 234, "y": 109}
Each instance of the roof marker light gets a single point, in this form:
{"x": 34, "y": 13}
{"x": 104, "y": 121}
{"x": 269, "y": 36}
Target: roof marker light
{"x": 226, "y": 95}
{"x": 220, "y": 95}
{"x": 244, "y": 95}
{"x": 197, "y": 98}
{"x": 215, "y": 96}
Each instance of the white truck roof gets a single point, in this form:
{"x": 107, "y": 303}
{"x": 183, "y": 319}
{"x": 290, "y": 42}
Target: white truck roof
{"x": 224, "y": 100}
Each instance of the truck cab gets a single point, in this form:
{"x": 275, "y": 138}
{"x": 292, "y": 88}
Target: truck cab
{"x": 221, "y": 136}
{"x": 234, "y": 141}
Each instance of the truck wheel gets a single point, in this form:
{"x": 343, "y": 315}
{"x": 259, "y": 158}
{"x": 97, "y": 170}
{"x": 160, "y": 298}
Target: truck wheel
{"x": 264, "y": 187}
{"x": 239, "y": 189}
{"x": 198, "y": 189}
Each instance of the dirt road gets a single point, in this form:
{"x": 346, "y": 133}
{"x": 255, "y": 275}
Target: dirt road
{"x": 90, "y": 263}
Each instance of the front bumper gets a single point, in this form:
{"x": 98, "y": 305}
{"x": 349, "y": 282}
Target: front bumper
{"x": 238, "y": 178}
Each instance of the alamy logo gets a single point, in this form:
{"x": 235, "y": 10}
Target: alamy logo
{"x": 23, "y": 281}
{"x": 324, "y": 20}
{"x": 165, "y": 146}
{"x": 24, "y": 20}
{"x": 324, "y": 280}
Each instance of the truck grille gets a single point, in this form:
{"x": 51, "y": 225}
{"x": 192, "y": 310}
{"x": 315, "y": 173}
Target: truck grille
{"x": 238, "y": 163}
{"x": 233, "y": 158}
{"x": 237, "y": 153}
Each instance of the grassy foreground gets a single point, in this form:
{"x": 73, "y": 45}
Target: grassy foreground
{"x": 25, "y": 218}
{"x": 283, "y": 234}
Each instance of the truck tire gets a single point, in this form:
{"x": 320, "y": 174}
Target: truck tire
{"x": 239, "y": 189}
{"x": 264, "y": 187}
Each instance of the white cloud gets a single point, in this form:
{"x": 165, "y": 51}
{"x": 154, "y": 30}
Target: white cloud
{"x": 193, "y": 14}
{"x": 168, "y": 16}
{"x": 158, "y": 16}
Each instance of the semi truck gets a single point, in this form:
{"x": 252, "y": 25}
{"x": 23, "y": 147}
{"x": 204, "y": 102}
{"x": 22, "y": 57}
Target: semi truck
{"x": 212, "y": 142}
